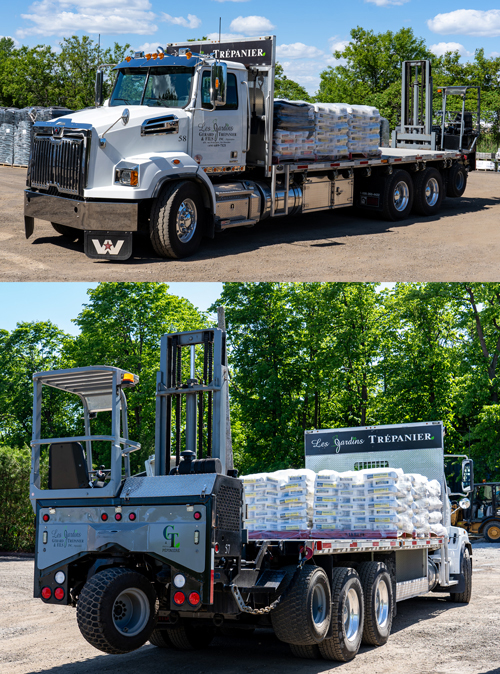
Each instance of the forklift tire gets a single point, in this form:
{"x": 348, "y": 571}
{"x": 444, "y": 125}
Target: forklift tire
{"x": 116, "y": 610}
{"x": 347, "y": 616}
{"x": 160, "y": 639}
{"x": 310, "y": 652}
{"x": 377, "y": 593}
{"x": 177, "y": 220}
{"x": 492, "y": 532}
{"x": 303, "y": 616}
{"x": 464, "y": 597}
{"x": 69, "y": 233}
{"x": 429, "y": 192}
{"x": 186, "y": 637}
{"x": 397, "y": 196}
{"x": 456, "y": 181}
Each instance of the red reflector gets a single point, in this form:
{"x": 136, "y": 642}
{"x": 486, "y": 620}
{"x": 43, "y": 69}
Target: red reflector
{"x": 212, "y": 579}
{"x": 59, "y": 593}
{"x": 197, "y": 516}
{"x": 118, "y": 517}
{"x": 46, "y": 518}
{"x": 132, "y": 516}
{"x": 179, "y": 598}
{"x": 104, "y": 517}
{"x": 46, "y": 593}
{"x": 216, "y": 547}
{"x": 194, "y": 598}
{"x": 319, "y": 545}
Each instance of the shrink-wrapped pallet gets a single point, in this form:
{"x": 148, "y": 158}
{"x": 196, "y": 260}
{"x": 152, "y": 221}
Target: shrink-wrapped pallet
{"x": 7, "y": 135}
{"x": 364, "y": 130}
{"x": 293, "y": 136}
{"x": 331, "y": 131}
{"x": 23, "y": 129}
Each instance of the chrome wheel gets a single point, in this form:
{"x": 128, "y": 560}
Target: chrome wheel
{"x": 187, "y": 219}
{"x": 319, "y": 604}
{"x": 432, "y": 192}
{"x": 352, "y": 614}
{"x": 131, "y": 612}
{"x": 401, "y": 196}
{"x": 382, "y": 603}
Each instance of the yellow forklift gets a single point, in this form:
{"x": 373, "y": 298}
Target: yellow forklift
{"x": 478, "y": 512}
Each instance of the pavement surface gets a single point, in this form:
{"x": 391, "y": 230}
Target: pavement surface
{"x": 430, "y": 635}
{"x": 462, "y": 243}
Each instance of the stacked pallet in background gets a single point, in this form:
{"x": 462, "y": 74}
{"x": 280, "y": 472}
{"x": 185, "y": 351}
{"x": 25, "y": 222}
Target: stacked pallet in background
{"x": 293, "y": 136}
{"x": 7, "y": 135}
{"x": 372, "y": 503}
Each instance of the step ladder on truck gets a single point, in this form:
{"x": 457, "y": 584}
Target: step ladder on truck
{"x": 183, "y": 148}
{"x": 164, "y": 557}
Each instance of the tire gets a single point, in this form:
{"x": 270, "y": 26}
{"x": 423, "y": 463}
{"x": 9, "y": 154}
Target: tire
{"x": 116, "y": 610}
{"x": 186, "y": 637}
{"x": 456, "y": 181}
{"x": 160, "y": 639}
{"x": 397, "y": 196}
{"x": 428, "y": 192}
{"x": 377, "y": 593}
{"x": 492, "y": 532}
{"x": 465, "y": 596}
{"x": 303, "y": 617}
{"x": 177, "y": 220}
{"x": 310, "y": 652}
{"x": 69, "y": 233}
{"x": 347, "y": 631}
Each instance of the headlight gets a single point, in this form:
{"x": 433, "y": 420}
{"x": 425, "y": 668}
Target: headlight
{"x": 128, "y": 176}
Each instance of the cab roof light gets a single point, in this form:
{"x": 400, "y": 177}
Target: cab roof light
{"x": 188, "y": 54}
{"x": 128, "y": 378}
{"x": 148, "y": 56}
{"x": 128, "y": 59}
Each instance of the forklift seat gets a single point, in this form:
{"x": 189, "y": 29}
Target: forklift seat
{"x": 67, "y": 466}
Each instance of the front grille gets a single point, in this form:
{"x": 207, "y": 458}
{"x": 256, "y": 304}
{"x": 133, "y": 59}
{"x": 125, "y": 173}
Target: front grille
{"x": 58, "y": 162}
{"x": 228, "y": 508}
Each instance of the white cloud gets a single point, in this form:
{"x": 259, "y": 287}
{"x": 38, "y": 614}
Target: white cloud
{"x": 63, "y": 17}
{"x": 251, "y": 25}
{"x": 224, "y": 37}
{"x": 192, "y": 20}
{"x": 336, "y": 44}
{"x": 149, "y": 47}
{"x": 297, "y": 50}
{"x": 467, "y": 22}
{"x": 387, "y": 3}
{"x": 495, "y": 54}
{"x": 441, "y": 48}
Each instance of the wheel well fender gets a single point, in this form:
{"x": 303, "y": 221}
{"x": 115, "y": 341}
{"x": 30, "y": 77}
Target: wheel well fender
{"x": 488, "y": 520}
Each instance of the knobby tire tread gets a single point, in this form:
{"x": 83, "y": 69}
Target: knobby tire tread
{"x": 160, "y": 213}
{"x": 310, "y": 652}
{"x": 465, "y": 596}
{"x": 331, "y": 648}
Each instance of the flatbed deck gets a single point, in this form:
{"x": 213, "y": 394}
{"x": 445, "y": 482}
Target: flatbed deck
{"x": 332, "y": 546}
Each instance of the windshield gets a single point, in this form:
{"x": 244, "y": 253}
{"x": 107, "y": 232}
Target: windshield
{"x": 168, "y": 87}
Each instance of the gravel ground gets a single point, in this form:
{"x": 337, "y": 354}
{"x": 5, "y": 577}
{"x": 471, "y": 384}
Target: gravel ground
{"x": 462, "y": 243}
{"x": 430, "y": 636}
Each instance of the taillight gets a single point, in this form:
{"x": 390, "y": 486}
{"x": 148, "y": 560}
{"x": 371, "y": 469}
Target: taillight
{"x": 132, "y": 516}
{"x": 179, "y": 598}
{"x": 216, "y": 547}
{"x": 104, "y": 517}
{"x": 194, "y": 598}
{"x": 118, "y": 517}
{"x": 197, "y": 515}
{"x": 59, "y": 593}
{"x": 46, "y": 593}
{"x": 45, "y": 517}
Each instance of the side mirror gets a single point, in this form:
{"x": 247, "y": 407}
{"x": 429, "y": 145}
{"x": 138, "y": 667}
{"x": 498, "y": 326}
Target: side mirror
{"x": 467, "y": 475}
{"x": 464, "y": 503}
{"x": 99, "y": 81}
{"x": 218, "y": 90}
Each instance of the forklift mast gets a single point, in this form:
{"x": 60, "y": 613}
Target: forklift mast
{"x": 192, "y": 399}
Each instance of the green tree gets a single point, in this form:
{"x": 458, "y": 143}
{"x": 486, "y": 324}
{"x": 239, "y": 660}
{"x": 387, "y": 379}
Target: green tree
{"x": 122, "y": 325}
{"x": 38, "y": 66}
{"x": 286, "y": 88}
{"x": 29, "y": 348}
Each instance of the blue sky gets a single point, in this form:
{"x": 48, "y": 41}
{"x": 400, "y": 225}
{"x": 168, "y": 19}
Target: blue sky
{"x": 60, "y": 302}
{"x": 307, "y": 32}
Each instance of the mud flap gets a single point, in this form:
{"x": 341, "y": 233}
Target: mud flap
{"x": 108, "y": 245}
{"x": 29, "y": 225}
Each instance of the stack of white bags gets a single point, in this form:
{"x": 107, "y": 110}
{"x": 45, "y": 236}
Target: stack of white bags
{"x": 364, "y": 130}
{"x": 381, "y": 500}
{"x": 280, "y": 501}
{"x": 331, "y": 131}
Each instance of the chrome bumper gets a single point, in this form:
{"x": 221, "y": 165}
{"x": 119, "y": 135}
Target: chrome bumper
{"x": 119, "y": 216}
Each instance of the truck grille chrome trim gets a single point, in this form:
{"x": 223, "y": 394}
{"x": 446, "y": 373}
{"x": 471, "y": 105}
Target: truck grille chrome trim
{"x": 160, "y": 125}
{"x": 59, "y": 162}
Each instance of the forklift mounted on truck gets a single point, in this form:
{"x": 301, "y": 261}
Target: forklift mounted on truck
{"x": 164, "y": 557}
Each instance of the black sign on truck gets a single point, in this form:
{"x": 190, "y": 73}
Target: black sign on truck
{"x": 374, "y": 438}
{"x": 252, "y": 52}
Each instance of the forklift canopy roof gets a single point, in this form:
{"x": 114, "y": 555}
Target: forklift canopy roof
{"x": 93, "y": 384}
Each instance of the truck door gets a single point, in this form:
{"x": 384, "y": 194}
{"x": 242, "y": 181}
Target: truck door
{"x": 219, "y": 136}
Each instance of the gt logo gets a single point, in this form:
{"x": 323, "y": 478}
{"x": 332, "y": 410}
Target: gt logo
{"x": 171, "y": 536}
{"x": 107, "y": 247}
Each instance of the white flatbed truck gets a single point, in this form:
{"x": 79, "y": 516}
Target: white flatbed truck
{"x": 165, "y": 557}
{"x": 183, "y": 149}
